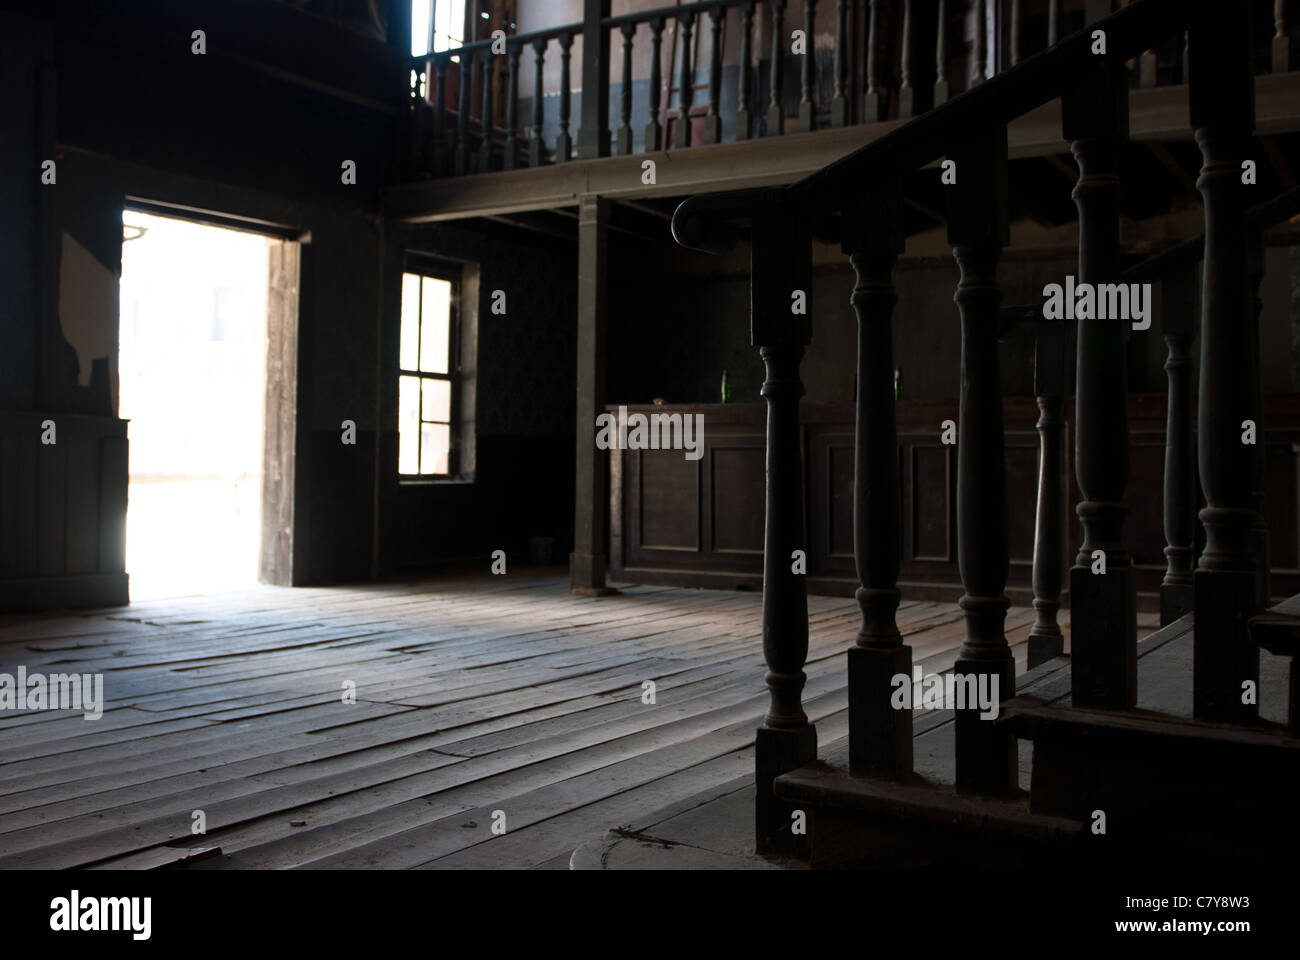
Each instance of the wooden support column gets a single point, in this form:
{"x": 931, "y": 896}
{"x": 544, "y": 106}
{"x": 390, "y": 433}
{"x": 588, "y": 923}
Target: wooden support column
{"x": 880, "y": 737}
{"x": 978, "y": 228}
{"x": 1259, "y": 532}
{"x": 1103, "y": 605}
{"x": 1045, "y": 638}
{"x": 587, "y": 563}
{"x": 1178, "y": 301}
{"x": 593, "y": 131}
{"x": 1221, "y": 97}
{"x": 781, "y": 262}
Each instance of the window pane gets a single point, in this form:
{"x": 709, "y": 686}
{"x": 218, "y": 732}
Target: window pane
{"x": 436, "y": 400}
{"x": 419, "y": 27}
{"x": 408, "y": 424}
{"x": 435, "y": 336}
{"x": 436, "y": 443}
{"x": 409, "y": 351}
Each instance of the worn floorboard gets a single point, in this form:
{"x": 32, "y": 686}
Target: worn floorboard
{"x": 473, "y": 694}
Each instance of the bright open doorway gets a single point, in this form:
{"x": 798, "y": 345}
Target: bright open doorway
{"x": 192, "y": 366}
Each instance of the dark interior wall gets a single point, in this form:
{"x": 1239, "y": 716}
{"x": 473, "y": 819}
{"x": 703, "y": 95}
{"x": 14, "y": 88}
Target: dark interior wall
{"x": 526, "y": 382}
{"x": 672, "y": 336}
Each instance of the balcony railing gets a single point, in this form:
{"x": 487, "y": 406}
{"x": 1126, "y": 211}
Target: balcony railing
{"x": 888, "y": 60}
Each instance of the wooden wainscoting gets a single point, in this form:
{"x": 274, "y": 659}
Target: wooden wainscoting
{"x": 679, "y": 522}
{"x": 62, "y": 512}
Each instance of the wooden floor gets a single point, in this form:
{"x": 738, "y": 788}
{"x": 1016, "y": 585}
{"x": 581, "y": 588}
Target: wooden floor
{"x": 473, "y": 695}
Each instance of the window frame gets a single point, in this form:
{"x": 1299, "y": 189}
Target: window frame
{"x": 425, "y": 267}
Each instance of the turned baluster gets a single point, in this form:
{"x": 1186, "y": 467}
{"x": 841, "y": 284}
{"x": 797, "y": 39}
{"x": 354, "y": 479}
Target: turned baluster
{"x": 1178, "y": 302}
{"x": 775, "y": 120}
{"x": 980, "y": 44}
{"x": 462, "y": 116}
{"x": 1014, "y": 38}
{"x": 1053, "y": 22}
{"x": 873, "y": 101}
{"x": 808, "y": 72}
{"x": 839, "y": 104}
{"x": 1222, "y": 112}
{"x": 537, "y": 146}
{"x": 744, "y": 113}
{"x": 1103, "y": 602}
{"x": 440, "y": 116}
{"x": 713, "y": 119}
{"x": 485, "y": 147}
{"x": 1281, "y": 40}
{"x": 512, "y": 109}
{"x": 564, "y": 141}
{"x": 625, "y": 94}
{"x": 1045, "y": 638}
{"x": 781, "y": 262}
{"x": 942, "y": 88}
{"x": 653, "y": 129}
{"x": 685, "y": 81}
{"x": 880, "y": 737}
{"x": 978, "y": 228}
{"x": 907, "y": 105}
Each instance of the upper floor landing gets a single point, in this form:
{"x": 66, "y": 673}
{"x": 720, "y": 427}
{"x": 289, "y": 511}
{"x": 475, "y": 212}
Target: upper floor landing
{"x": 549, "y": 100}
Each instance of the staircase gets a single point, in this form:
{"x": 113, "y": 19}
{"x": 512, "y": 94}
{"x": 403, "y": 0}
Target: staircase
{"x": 1083, "y": 762}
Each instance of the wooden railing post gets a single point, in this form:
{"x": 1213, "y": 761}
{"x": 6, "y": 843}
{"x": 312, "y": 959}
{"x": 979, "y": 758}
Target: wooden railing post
{"x": 1053, "y": 22}
{"x": 713, "y": 119}
{"x": 625, "y": 92}
{"x": 839, "y": 104}
{"x": 808, "y": 72}
{"x": 1178, "y": 301}
{"x": 685, "y": 81}
{"x": 1221, "y": 97}
{"x": 744, "y": 106}
{"x": 1014, "y": 38}
{"x": 1103, "y": 599}
{"x": 512, "y": 109}
{"x": 979, "y": 45}
{"x": 485, "y": 147}
{"x": 1045, "y": 638}
{"x": 880, "y": 737}
{"x": 781, "y": 262}
{"x": 653, "y": 129}
{"x": 564, "y": 141}
{"x": 537, "y": 146}
{"x": 462, "y": 115}
{"x": 978, "y": 228}
{"x": 593, "y": 131}
{"x": 775, "y": 118}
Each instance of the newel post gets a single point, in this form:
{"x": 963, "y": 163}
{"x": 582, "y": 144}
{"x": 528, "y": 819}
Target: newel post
{"x": 1221, "y": 98}
{"x": 1103, "y": 599}
{"x": 978, "y": 228}
{"x": 780, "y": 293}
{"x": 880, "y": 737}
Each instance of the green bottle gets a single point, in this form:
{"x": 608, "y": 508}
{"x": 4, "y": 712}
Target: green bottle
{"x": 726, "y": 388}
{"x": 898, "y": 383}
